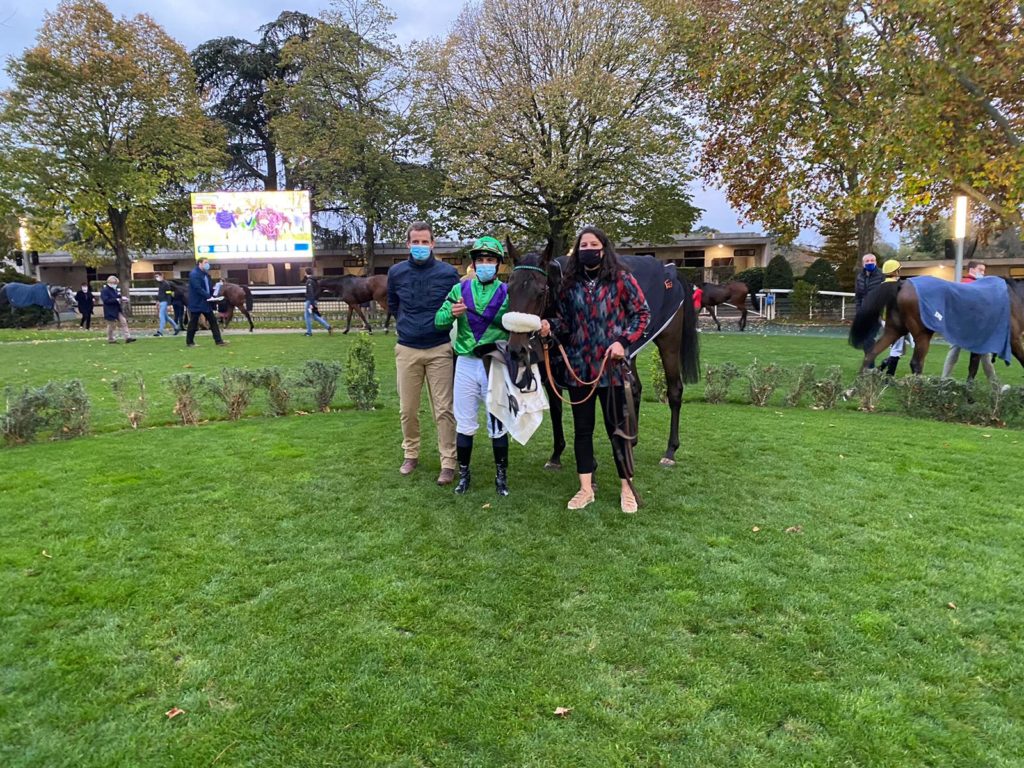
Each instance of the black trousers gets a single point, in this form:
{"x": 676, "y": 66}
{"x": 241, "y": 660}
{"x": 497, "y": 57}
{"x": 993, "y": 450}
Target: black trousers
{"x": 193, "y": 325}
{"x": 179, "y": 314}
{"x": 86, "y": 321}
{"x": 613, "y": 403}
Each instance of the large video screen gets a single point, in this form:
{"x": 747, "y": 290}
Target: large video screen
{"x": 261, "y": 225}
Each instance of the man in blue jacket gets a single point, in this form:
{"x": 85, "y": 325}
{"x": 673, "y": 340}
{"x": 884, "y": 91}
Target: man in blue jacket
{"x": 199, "y": 295}
{"x": 416, "y": 290}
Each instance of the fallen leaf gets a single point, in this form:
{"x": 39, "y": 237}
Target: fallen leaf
{"x": 756, "y": 528}
{"x": 841, "y": 456}
{"x": 951, "y": 606}
{"x": 795, "y": 529}
{"x": 173, "y": 712}
{"x": 47, "y": 555}
{"x": 187, "y": 365}
{"x": 986, "y": 435}
{"x": 486, "y": 506}
{"x": 563, "y": 711}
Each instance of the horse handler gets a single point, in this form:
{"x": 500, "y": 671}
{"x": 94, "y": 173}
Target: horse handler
{"x": 417, "y": 287}
{"x": 476, "y": 306}
{"x": 199, "y": 298}
{"x": 600, "y": 310}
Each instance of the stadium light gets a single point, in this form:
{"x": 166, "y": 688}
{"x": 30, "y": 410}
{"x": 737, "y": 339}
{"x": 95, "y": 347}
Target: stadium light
{"x": 23, "y": 235}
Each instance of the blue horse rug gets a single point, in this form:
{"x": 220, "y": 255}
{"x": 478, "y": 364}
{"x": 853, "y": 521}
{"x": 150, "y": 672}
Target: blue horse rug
{"x": 22, "y": 295}
{"x": 975, "y": 316}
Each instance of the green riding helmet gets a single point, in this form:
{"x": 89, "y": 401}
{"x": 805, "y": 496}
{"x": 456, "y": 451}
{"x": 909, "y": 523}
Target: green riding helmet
{"x": 487, "y": 246}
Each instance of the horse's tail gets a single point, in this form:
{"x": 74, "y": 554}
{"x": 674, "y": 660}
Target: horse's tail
{"x": 689, "y": 349}
{"x": 866, "y": 321}
{"x": 248, "y": 298}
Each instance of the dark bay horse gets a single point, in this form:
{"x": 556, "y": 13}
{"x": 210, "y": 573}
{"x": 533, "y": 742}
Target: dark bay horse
{"x": 15, "y": 296}
{"x": 235, "y": 297}
{"x": 734, "y": 293}
{"x": 532, "y": 289}
{"x": 356, "y": 291}
{"x": 903, "y": 316}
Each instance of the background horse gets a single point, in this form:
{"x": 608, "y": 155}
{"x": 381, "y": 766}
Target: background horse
{"x": 14, "y": 296}
{"x": 733, "y": 293}
{"x": 903, "y": 315}
{"x": 356, "y": 291}
{"x": 532, "y": 289}
{"x": 235, "y": 297}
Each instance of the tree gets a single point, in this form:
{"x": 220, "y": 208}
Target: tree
{"x": 930, "y": 238}
{"x": 102, "y": 127}
{"x": 234, "y": 78}
{"x": 956, "y": 74}
{"x": 778, "y": 273}
{"x": 789, "y": 100}
{"x": 546, "y": 115}
{"x": 840, "y": 248}
{"x": 822, "y": 275}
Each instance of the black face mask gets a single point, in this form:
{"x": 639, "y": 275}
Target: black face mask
{"x": 590, "y": 258}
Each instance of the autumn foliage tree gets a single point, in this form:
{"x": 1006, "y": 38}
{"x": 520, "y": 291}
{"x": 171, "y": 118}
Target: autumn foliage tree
{"x": 102, "y": 128}
{"x": 546, "y": 115}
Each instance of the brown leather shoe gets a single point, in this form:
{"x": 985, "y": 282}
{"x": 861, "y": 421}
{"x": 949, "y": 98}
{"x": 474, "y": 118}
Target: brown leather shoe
{"x": 446, "y": 477}
{"x": 408, "y": 466}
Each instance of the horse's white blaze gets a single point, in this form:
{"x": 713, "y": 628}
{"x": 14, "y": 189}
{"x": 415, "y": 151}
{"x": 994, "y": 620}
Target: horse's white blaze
{"x": 520, "y": 322}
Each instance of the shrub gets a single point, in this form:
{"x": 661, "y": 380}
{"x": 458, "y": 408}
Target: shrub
{"x": 803, "y": 298}
{"x": 763, "y": 381}
{"x": 717, "y": 381}
{"x": 25, "y": 415}
{"x": 803, "y": 381}
{"x": 321, "y": 378}
{"x": 826, "y": 391}
{"x": 184, "y": 387}
{"x": 233, "y": 389}
{"x": 657, "y": 376}
{"x": 778, "y": 273}
{"x": 869, "y": 388}
{"x": 361, "y": 374}
{"x": 68, "y": 405}
{"x": 279, "y": 394}
{"x": 822, "y": 275}
{"x": 130, "y": 392}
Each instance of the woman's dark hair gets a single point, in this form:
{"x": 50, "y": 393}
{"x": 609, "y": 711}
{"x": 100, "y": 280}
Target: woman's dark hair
{"x": 610, "y": 264}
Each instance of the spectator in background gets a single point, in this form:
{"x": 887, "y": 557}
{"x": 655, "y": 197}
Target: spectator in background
{"x": 312, "y": 311}
{"x": 86, "y": 302}
{"x": 113, "y": 311}
{"x": 164, "y": 294}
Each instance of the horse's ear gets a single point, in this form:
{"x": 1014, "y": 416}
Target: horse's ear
{"x": 513, "y": 252}
{"x": 547, "y": 253}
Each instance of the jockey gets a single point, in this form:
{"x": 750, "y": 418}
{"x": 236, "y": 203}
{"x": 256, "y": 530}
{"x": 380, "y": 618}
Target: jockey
{"x": 891, "y": 272}
{"x": 476, "y": 307}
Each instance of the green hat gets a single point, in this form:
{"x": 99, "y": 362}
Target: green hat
{"x": 487, "y": 246}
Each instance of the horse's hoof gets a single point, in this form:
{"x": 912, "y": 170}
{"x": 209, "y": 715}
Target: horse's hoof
{"x": 553, "y": 465}
{"x": 667, "y": 462}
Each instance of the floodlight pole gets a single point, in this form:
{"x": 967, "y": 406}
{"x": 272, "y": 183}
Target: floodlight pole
{"x": 959, "y": 234}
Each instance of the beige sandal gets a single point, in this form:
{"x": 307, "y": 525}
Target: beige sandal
{"x": 628, "y": 502}
{"x": 581, "y": 499}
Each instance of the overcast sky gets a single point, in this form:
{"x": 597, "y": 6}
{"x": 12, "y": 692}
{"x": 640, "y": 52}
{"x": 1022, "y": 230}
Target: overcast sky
{"x": 195, "y": 21}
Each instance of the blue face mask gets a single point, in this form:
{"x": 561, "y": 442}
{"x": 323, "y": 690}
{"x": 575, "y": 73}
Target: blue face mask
{"x": 205, "y": 267}
{"x": 486, "y": 272}
{"x": 419, "y": 252}
{"x": 869, "y": 267}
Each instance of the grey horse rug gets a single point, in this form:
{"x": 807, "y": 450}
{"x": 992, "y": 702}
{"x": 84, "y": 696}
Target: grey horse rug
{"x": 975, "y": 316}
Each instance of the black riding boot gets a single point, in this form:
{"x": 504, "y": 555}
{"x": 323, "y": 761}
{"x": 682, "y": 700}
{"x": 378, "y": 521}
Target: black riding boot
{"x": 501, "y": 465}
{"x": 463, "y": 452}
{"x": 889, "y": 366}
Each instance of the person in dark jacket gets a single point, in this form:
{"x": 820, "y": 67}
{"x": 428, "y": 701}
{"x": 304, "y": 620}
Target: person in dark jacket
{"x": 868, "y": 278}
{"x": 417, "y": 288}
{"x": 164, "y": 295}
{"x": 86, "y": 302}
{"x": 113, "y": 311}
{"x": 199, "y": 296}
{"x": 312, "y": 312}
{"x": 178, "y": 304}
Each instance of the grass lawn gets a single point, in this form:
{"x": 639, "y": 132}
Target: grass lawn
{"x": 306, "y": 606}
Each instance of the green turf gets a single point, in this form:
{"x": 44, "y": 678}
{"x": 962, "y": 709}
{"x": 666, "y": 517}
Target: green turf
{"x": 305, "y": 606}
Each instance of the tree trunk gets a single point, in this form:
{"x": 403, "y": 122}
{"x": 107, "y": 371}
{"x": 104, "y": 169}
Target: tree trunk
{"x": 559, "y": 237}
{"x": 368, "y": 243}
{"x": 865, "y": 232}
{"x": 270, "y": 183}
{"x": 122, "y": 261}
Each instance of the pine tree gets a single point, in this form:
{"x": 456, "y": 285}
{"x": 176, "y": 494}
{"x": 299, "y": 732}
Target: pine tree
{"x": 840, "y": 248}
{"x": 931, "y": 238}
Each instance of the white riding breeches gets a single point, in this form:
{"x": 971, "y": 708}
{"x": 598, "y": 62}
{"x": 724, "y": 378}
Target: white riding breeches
{"x": 470, "y": 394}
